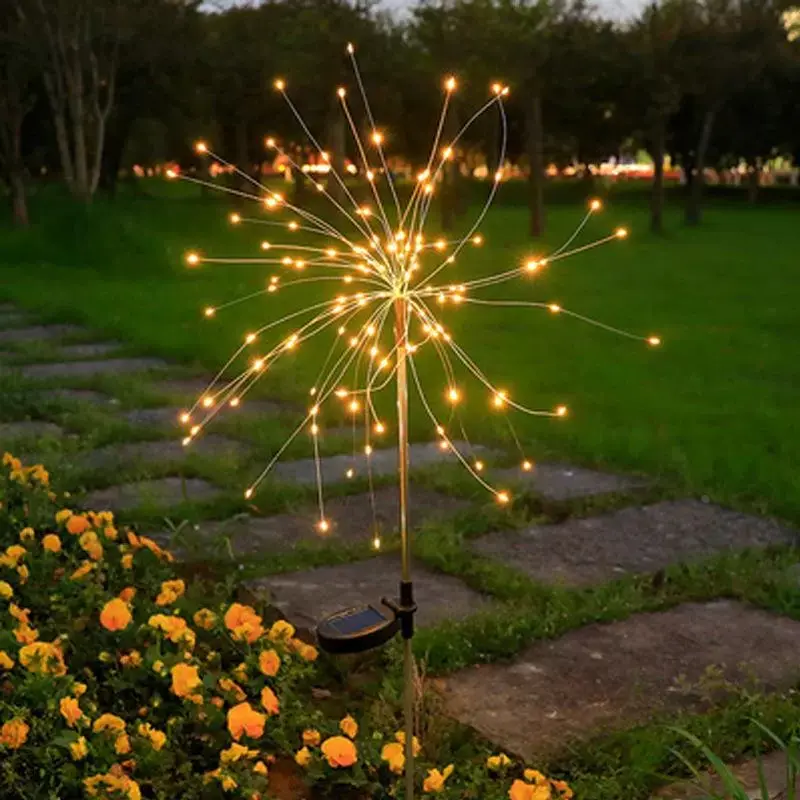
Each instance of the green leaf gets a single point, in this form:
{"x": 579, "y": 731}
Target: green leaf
{"x": 732, "y": 785}
{"x": 66, "y": 738}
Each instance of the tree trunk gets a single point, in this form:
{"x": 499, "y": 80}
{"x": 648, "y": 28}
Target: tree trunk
{"x": 60, "y": 126}
{"x": 693, "y": 211}
{"x": 657, "y": 191}
{"x": 534, "y": 140}
{"x": 97, "y": 163}
{"x": 19, "y": 199}
{"x": 753, "y": 182}
{"x": 113, "y": 151}
{"x": 13, "y": 110}
{"x": 587, "y": 179}
{"x": 82, "y": 188}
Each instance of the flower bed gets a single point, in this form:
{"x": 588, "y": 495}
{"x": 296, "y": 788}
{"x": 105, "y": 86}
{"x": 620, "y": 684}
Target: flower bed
{"x": 118, "y": 681}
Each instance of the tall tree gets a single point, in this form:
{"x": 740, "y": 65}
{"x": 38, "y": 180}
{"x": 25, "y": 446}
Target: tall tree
{"x": 77, "y": 45}
{"x": 156, "y": 81}
{"x": 509, "y": 40}
{"x": 521, "y": 34}
{"x": 437, "y": 31}
{"x": 725, "y": 46}
{"x": 657, "y": 88}
{"x": 587, "y": 84}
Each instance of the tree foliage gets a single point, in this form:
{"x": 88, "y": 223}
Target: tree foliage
{"x": 707, "y": 82}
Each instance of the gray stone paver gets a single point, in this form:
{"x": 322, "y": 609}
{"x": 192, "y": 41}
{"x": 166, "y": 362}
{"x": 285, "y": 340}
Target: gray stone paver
{"x": 13, "y": 319}
{"x": 582, "y": 552}
{"x": 11, "y": 431}
{"x": 89, "y": 350}
{"x": 564, "y": 482}
{"x": 384, "y": 462}
{"x": 85, "y": 396}
{"x": 84, "y": 369}
{"x": 161, "y": 417}
{"x": 186, "y": 388}
{"x": 38, "y": 333}
{"x": 162, "y": 451}
{"x": 350, "y": 518}
{"x": 161, "y": 492}
{"x": 772, "y": 767}
{"x": 308, "y": 596}
{"x": 168, "y": 416}
{"x": 618, "y": 675}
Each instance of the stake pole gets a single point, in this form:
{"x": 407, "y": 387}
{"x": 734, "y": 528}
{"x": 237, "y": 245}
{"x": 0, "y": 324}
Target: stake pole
{"x": 406, "y": 587}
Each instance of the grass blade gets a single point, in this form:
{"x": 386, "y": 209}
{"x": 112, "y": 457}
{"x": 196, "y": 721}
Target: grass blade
{"x": 732, "y": 785}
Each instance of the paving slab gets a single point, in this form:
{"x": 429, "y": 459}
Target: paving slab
{"x": 38, "y": 333}
{"x": 85, "y": 369}
{"x": 351, "y": 519}
{"x": 12, "y": 431}
{"x": 308, "y": 596}
{"x": 188, "y": 388}
{"x": 13, "y": 319}
{"x": 582, "y": 552}
{"x": 616, "y": 676}
{"x": 167, "y": 416}
{"x": 85, "y": 396}
{"x": 188, "y": 391}
{"x": 161, "y": 492}
{"x": 710, "y": 787}
{"x": 564, "y": 482}
{"x": 384, "y": 462}
{"x": 162, "y": 451}
{"x": 89, "y": 349}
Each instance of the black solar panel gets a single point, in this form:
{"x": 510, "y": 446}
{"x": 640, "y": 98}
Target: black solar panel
{"x": 359, "y": 621}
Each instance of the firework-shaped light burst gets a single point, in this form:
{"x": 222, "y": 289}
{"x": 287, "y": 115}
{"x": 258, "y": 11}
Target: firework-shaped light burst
{"x": 385, "y": 306}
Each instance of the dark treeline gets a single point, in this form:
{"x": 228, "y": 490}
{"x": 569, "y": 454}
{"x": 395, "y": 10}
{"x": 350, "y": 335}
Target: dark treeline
{"x": 88, "y": 87}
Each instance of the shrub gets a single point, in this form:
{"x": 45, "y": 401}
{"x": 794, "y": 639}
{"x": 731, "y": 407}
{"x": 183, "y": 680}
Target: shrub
{"x": 119, "y": 681}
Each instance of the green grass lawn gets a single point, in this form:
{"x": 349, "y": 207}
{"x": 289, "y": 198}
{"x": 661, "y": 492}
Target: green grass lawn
{"x": 713, "y": 411}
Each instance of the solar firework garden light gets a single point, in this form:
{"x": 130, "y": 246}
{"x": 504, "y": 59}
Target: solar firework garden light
{"x": 382, "y": 313}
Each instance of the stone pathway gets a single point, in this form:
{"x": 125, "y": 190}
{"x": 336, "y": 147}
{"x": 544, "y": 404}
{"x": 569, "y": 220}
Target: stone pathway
{"x": 382, "y": 462}
{"x": 564, "y": 482}
{"x": 87, "y": 369}
{"x": 39, "y": 333}
{"x": 582, "y": 552}
{"x": 614, "y": 676}
{"x": 166, "y": 451}
{"x": 161, "y": 493}
{"x": 14, "y": 431}
{"x": 308, "y": 596}
{"x": 772, "y": 766}
{"x": 168, "y": 416}
{"x": 82, "y": 396}
{"x": 595, "y": 678}
{"x": 91, "y": 350}
{"x": 11, "y": 319}
{"x": 351, "y": 520}
{"x": 188, "y": 389}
